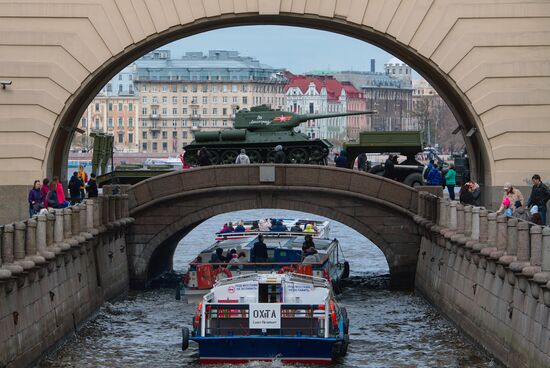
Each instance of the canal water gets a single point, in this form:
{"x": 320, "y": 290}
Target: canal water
{"x": 387, "y": 328}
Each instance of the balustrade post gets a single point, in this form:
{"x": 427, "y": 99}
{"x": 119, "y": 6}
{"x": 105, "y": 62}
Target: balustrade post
{"x": 75, "y": 220}
{"x": 125, "y": 206}
{"x": 118, "y": 207}
{"x": 421, "y": 204}
{"x": 523, "y": 251}
{"x": 483, "y": 226}
{"x": 59, "y": 233}
{"x": 452, "y": 215}
{"x": 476, "y": 223}
{"x": 8, "y": 251}
{"x": 105, "y": 209}
{"x": 459, "y": 218}
{"x": 502, "y": 232}
{"x": 42, "y": 237}
{"x": 112, "y": 208}
{"x": 83, "y": 209}
{"x": 536, "y": 245}
{"x": 512, "y": 241}
{"x": 443, "y": 212}
{"x": 4, "y": 272}
{"x": 19, "y": 246}
{"x": 468, "y": 221}
{"x": 68, "y": 227}
{"x": 492, "y": 229}
{"x": 546, "y": 249}
{"x": 30, "y": 243}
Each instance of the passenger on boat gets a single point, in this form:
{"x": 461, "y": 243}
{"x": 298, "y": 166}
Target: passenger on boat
{"x": 227, "y": 228}
{"x": 217, "y": 256}
{"x": 264, "y": 225}
{"x": 237, "y": 260}
{"x": 240, "y": 227}
{"x": 308, "y": 242}
{"x": 309, "y": 229}
{"x": 255, "y": 226}
{"x": 258, "y": 253}
{"x": 296, "y": 228}
{"x": 278, "y": 226}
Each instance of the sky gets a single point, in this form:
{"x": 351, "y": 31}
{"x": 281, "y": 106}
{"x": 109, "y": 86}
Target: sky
{"x": 297, "y": 49}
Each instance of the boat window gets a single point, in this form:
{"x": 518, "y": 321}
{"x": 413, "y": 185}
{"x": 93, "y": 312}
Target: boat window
{"x": 269, "y": 293}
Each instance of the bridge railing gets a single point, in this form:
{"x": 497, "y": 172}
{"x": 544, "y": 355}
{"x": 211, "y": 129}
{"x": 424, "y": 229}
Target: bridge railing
{"x": 36, "y": 242}
{"x": 494, "y": 241}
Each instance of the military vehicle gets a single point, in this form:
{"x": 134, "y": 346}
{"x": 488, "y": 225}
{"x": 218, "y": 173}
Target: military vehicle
{"x": 407, "y": 143}
{"x": 259, "y": 130}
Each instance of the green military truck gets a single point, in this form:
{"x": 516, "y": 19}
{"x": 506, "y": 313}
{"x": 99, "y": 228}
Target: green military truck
{"x": 406, "y": 143}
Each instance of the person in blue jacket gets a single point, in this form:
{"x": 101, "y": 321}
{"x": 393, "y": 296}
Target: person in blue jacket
{"x": 434, "y": 176}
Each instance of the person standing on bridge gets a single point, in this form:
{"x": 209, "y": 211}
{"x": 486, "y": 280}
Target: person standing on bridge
{"x": 539, "y": 196}
{"x": 280, "y": 157}
{"x": 512, "y": 194}
{"x": 204, "y": 157}
{"x": 389, "y": 168}
{"x": 362, "y": 162}
{"x": 342, "y": 160}
{"x": 242, "y": 158}
{"x": 91, "y": 187}
{"x": 450, "y": 181}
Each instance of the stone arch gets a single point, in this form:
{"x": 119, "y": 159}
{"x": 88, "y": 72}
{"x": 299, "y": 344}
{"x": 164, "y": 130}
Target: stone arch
{"x": 487, "y": 59}
{"x": 379, "y": 209}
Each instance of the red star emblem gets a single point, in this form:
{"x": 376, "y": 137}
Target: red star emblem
{"x": 282, "y": 118}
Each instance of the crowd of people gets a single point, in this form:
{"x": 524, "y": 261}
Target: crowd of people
{"x": 50, "y": 193}
{"x": 267, "y": 225}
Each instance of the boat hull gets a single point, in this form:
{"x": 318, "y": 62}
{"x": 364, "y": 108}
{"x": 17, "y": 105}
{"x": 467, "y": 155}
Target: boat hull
{"x": 242, "y": 349}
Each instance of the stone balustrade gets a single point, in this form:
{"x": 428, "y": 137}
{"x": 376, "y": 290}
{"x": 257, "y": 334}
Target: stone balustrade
{"x": 510, "y": 244}
{"x": 39, "y": 242}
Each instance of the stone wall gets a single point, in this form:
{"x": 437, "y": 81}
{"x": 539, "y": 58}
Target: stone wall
{"x": 55, "y": 271}
{"x": 489, "y": 274}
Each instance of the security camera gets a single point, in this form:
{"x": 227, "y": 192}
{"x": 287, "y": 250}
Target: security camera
{"x": 5, "y": 83}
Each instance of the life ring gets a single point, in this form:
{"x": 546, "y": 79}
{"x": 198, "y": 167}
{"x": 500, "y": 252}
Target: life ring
{"x": 286, "y": 269}
{"x": 333, "y": 316}
{"x": 219, "y": 270}
{"x": 305, "y": 270}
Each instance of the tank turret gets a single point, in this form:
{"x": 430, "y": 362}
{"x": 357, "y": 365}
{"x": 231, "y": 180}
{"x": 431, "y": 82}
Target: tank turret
{"x": 259, "y": 130}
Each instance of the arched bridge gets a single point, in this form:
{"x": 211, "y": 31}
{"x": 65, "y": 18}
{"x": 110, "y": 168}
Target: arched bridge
{"x": 167, "y": 207}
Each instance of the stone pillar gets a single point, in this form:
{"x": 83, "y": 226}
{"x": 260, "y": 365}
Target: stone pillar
{"x": 50, "y": 226}
{"x": 105, "y": 209}
{"x": 502, "y": 232}
{"x": 467, "y": 221}
{"x": 112, "y": 208}
{"x": 536, "y": 245}
{"x": 7, "y": 251}
{"x": 512, "y": 241}
{"x": 19, "y": 246}
{"x": 4, "y": 272}
{"x": 42, "y": 237}
{"x": 97, "y": 213}
{"x": 126, "y": 206}
{"x": 118, "y": 207}
{"x": 83, "y": 208}
{"x": 492, "y": 229}
{"x": 523, "y": 242}
{"x": 483, "y": 226}
{"x": 30, "y": 243}
{"x": 443, "y": 209}
{"x": 459, "y": 218}
{"x": 545, "y": 249}
{"x": 476, "y": 223}
{"x": 452, "y": 215}
{"x": 59, "y": 234}
{"x": 68, "y": 227}
{"x": 75, "y": 220}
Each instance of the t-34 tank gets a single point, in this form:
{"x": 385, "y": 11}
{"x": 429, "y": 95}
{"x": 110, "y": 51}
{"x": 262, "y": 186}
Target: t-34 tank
{"x": 259, "y": 130}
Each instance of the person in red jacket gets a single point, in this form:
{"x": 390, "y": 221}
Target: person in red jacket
{"x": 60, "y": 193}
{"x": 45, "y": 189}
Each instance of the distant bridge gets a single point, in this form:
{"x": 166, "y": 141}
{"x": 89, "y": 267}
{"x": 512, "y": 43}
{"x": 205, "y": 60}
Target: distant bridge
{"x": 169, "y": 206}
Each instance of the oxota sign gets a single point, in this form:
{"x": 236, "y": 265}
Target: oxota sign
{"x": 264, "y": 315}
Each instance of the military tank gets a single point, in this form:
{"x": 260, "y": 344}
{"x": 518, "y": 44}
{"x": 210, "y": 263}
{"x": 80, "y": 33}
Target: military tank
{"x": 259, "y": 130}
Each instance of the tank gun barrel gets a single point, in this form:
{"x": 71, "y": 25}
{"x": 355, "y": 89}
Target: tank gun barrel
{"x": 306, "y": 117}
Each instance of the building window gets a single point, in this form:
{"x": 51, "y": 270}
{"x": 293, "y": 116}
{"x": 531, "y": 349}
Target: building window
{"x": 214, "y": 99}
{"x": 214, "y": 123}
{"x": 144, "y": 99}
{"x": 164, "y": 146}
{"x": 235, "y": 99}
{"x": 110, "y": 106}
{"x": 130, "y": 107}
{"x": 164, "y": 99}
{"x": 84, "y": 123}
{"x": 204, "y": 100}
{"x": 184, "y": 111}
{"x": 174, "y": 111}
{"x": 155, "y": 99}
{"x": 110, "y": 123}
{"x": 174, "y": 134}
{"x": 164, "y": 111}
{"x": 154, "y": 111}
{"x": 311, "y": 108}
{"x": 120, "y": 77}
{"x": 174, "y": 88}
{"x": 119, "y": 107}
{"x": 120, "y": 122}
{"x": 224, "y": 123}
{"x": 174, "y": 100}
{"x": 245, "y": 88}
{"x": 183, "y": 88}
{"x": 205, "y": 111}
{"x": 120, "y": 88}
{"x": 144, "y": 135}
{"x": 224, "y": 111}
{"x": 194, "y": 99}
{"x": 144, "y": 147}
{"x": 184, "y": 135}
{"x": 205, "y": 88}
{"x": 120, "y": 137}
{"x": 184, "y": 123}
{"x": 245, "y": 100}
{"x": 144, "y": 111}
{"x": 155, "y": 145}
{"x": 214, "y": 111}
{"x": 96, "y": 107}
{"x": 194, "y": 88}
{"x": 164, "y": 135}
{"x": 164, "y": 124}
{"x": 184, "y": 100}
{"x": 174, "y": 123}
{"x": 130, "y": 138}
{"x": 130, "y": 122}
{"x": 97, "y": 123}
{"x": 164, "y": 88}
{"x": 234, "y": 88}
{"x": 224, "y": 99}
{"x": 144, "y": 88}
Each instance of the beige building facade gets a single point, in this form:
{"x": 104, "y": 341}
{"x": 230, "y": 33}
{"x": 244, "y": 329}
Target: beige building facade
{"x": 488, "y": 60}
